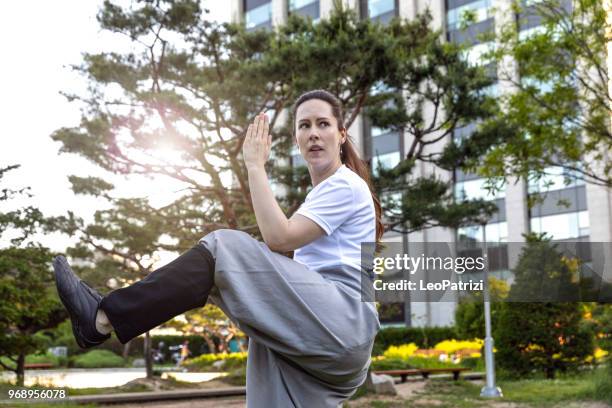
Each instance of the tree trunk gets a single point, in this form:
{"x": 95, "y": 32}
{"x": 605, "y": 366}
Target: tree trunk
{"x": 147, "y": 355}
{"x": 210, "y": 343}
{"x": 126, "y": 350}
{"x": 20, "y": 370}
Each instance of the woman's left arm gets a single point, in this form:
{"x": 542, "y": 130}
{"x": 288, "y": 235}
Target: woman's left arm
{"x": 279, "y": 233}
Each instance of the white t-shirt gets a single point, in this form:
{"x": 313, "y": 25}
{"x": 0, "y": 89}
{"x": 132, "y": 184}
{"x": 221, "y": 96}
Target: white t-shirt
{"x": 342, "y": 206}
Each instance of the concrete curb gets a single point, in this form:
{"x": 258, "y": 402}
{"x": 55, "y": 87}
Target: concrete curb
{"x": 128, "y": 397}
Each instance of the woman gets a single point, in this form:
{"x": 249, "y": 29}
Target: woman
{"x": 310, "y": 333}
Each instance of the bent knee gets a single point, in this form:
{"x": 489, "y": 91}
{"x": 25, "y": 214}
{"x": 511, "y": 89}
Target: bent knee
{"x": 224, "y": 235}
{"x": 227, "y": 234}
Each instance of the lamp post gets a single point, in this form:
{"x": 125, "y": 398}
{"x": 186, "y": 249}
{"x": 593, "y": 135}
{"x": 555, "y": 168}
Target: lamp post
{"x": 490, "y": 390}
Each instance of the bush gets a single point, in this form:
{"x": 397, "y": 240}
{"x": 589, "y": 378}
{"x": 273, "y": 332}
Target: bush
{"x": 423, "y": 337}
{"x": 400, "y": 352}
{"x": 205, "y": 361}
{"x": 545, "y": 337}
{"x": 98, "y": 359}
{"x": 384, "y": 363}
{"x": 469, "y": 314}
{"x": 473, "y": 363}
{"x": 453, "y": 346}
{"x": 46, "y": 358}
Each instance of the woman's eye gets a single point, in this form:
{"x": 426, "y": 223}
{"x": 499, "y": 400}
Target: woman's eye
{"x": 325, "y": 123}
{"x": 302, "y": 125}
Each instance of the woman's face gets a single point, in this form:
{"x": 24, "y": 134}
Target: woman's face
{"x": 317, "y": 135}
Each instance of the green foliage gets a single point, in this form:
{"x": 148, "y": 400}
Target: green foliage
{"x": 46, "y": 358}
{"x": 28, "y": 303}
{"x": 544, "y": 337}
{"x": 98, "y": 359}
{"x": 601, "y": 323}
{"x": 558, "y": 113}
{"x": 474, "y": 363}
{"x": 424, "y": 337}
{"x": 194, "y": 86}
{"x": 469, "y": 314}
{"x": 205, "y": 361}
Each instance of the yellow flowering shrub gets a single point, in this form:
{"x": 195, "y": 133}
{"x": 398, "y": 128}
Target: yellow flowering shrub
{"x": 597, "y": 356}
{"x": 205, "y": 361}
{"x": 452, "y": 346}
{"x": 402, "y": 352}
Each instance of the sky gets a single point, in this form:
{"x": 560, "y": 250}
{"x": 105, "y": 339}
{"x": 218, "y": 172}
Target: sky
{"x": 39, "y": 42}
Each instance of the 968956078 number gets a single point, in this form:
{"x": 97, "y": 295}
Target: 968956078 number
{"x": 36, "y": 394}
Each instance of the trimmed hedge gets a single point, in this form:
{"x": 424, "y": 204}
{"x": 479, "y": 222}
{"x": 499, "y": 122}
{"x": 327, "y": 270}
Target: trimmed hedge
{"x": 46, "y": 358}
{"x": 424, "y": 337}
{"x": 206, "y": 361}
{"x": 98, "y": 359}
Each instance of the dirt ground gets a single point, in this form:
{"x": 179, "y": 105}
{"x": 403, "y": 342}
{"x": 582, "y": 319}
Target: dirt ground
{"x": 410, "y": 394}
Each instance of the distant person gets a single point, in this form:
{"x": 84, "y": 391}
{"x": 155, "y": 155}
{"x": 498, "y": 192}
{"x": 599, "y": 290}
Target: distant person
{"x": 310, "y": 333}
{"x": 184, "y": 353}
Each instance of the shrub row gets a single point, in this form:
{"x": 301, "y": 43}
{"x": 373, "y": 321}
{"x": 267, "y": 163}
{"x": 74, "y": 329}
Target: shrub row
{"x": 423, "y": 337}
{"x": 205, "y": 361}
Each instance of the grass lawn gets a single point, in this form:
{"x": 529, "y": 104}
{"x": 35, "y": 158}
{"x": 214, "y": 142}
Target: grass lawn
{"x": 536, "y": 393}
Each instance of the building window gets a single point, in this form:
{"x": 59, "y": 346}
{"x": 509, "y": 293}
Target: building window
{"x": 476, "y": 189}
{"x": 379, "y": 7}
{"x": 258, "y": 14}
{"x": 563, "y": 226}
{"x": 305, "y": 8}
{"x": 479, "y": 54}
{"x": 469, "y": 244}
{"x": 496, "y": 232}
{"x": 470, "y": 13}
{"x": 386, "y": 161}
{"x": 376, "y": 131}
{"x": 555, "y": 178}
{"x": 379, "y": 10}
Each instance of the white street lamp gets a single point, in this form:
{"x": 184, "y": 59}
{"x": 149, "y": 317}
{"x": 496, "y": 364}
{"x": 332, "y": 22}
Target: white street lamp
{"x": 490, "y": 390}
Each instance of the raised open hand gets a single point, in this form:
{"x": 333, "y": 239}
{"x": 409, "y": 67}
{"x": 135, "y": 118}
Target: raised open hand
{"x": 256, "y": 146}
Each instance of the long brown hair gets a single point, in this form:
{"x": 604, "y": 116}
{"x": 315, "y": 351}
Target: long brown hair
{"x": 348, "y": 153}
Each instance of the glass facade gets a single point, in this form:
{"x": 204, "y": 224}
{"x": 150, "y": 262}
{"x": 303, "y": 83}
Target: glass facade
{"x": 387, "y": 161}
{"x": 563, "y": 226}
{"x": 477, "y": 55}
{"x": 556, "y": 178}
{"x": 475, "y": 189}
{"x": 379, "y": 10}
{"x": 559, "y": 205}
{"x": 305, "y": 8}
{"x": 469, "y": 13}
{"x": 467, "y": 21}
{"x": 257, "y": 14}
{"x": 469, "y": 186}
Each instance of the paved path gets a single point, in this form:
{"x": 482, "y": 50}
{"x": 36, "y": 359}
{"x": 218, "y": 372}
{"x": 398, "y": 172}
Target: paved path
{"x": 199, "y": 403}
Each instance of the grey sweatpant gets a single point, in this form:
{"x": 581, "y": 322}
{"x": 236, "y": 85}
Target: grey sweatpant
{"x": 310, "y": 337}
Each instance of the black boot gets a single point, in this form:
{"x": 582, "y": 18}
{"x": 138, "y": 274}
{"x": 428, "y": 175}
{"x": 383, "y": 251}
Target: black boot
{"x": 82, "y": 303}
{"x": 182, "y": 285}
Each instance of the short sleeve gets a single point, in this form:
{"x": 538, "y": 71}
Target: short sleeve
{"x": 329, "y": 205}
